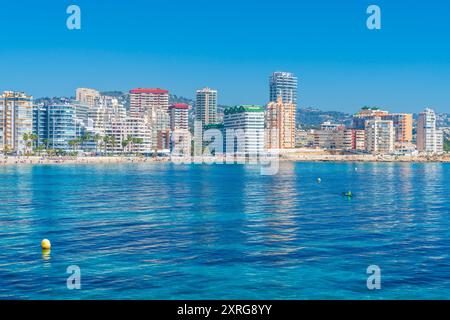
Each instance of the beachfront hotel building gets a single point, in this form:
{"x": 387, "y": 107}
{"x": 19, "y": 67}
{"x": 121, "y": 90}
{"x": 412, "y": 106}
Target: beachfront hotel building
{"x": 280, "y": 125}
{"x": 55, "y": 126}
{"x": 87, "y": 96}
{"x": 244, "y": 127}
{"x": 180, "y": 138}
{"x": 16, "y": 120}
{"x": 130, "y": 135}
{"x": 107, "y": 110}
{"x": 206, "y": 106}
{"x": 402, "y": 122}
{"x": 380, "y": 136}
{"x": 179, "y": 116}
{"x": 153, "y": 105}
{"x": 283, "y": 85}
{"x": 337, "y": 137}
{"x": 429, "y": 138}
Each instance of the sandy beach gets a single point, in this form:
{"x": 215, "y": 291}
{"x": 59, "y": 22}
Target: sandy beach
{"x": 308, "y": 156}
{"x": 336, "y": 156}
{"x": 30, "y": 160}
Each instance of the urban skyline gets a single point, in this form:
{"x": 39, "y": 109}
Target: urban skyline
{"x": 153, "y": 125}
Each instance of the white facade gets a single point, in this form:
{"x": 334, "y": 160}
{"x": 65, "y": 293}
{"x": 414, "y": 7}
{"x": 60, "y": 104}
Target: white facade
{"x": 380, "y": 136}
{"x": 244, "y": 127}
{"x": 429, "y": 139}
{"x": 130, "y": 135}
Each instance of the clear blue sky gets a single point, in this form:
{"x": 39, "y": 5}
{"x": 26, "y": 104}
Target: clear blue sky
{"x": 233, "y": 46}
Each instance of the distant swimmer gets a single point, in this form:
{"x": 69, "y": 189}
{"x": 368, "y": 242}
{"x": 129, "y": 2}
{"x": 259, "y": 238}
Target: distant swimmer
{"x": 347, "y": 194}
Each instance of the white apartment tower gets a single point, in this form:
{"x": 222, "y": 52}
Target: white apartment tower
{"x": 380, "y": 136}
{"x": 247, "y": 124}
{"x": 283, "y": 85}
{"x": 206, "y": 106}
{"x": 429, "y": 138}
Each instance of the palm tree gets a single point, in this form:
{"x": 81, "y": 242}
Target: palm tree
{"x": 6, "y": 150}
{"x": 73, "y": 143}
{"x": 26, "y": 139}
{"x": 97, "y": 138}
{"x": 113, "y": 142}
{"x": 136, "y": 141}
{"x": 34, "y": 138}
{"x": 125, "y": 144}
{"x": 106, "y": 141}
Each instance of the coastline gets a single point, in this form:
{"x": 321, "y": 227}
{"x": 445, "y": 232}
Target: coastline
{"x": 366, "y": 158}
{"x": 37, "y": 160}
{"x": 294, "y": 157}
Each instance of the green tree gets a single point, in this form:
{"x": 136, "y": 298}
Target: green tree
{"x": 73, "y": 144}
{"x": 34, "y": 138}
{"x": 447, "y": 145}
{"x": 125, "y": 144}
{"x": 26, "y": 139}
{"x": 97, "y": 138}
{"x": 106, "y": 141}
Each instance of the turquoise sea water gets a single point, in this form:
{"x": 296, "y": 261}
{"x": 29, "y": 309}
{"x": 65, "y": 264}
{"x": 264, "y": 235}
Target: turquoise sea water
{"x": 166, "y": 231}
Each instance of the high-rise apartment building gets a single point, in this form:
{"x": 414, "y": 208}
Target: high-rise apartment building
{"x": 283, "y": 85}
{"x": 16, "y": 120}
{"x": 180, "y": 143}
{"x": 380, "y": 136}
{"x": 87, "y": 96}
{"x": 206, "y": 106}
{"x": 280, "y": 125}
{"x": 429, "y": 138}
{"x": 403, "y": 126}
{"x": 179, "y": 116}
{"x": 56, "y": 126}
{"x": 244, "y": 127}
{"x": 153, "y": 106}
{"x": 107, "y": 110}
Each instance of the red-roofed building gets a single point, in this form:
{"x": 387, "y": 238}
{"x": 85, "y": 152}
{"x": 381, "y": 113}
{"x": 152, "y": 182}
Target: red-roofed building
{"x": 153, "y": 105}
{"x": 179, "y": 116}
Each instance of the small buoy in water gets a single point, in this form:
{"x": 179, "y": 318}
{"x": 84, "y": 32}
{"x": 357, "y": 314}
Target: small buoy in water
{"x": 46, "y": 245}
{"x": 319, "y": 180}
{"x": 356, "y": 169}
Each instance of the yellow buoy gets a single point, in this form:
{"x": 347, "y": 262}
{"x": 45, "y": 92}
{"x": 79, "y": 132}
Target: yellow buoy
{"x": 46, "y": 245}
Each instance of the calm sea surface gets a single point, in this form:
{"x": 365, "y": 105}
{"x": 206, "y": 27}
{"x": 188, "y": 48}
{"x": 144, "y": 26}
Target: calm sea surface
{"x": 166, "y": 231}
